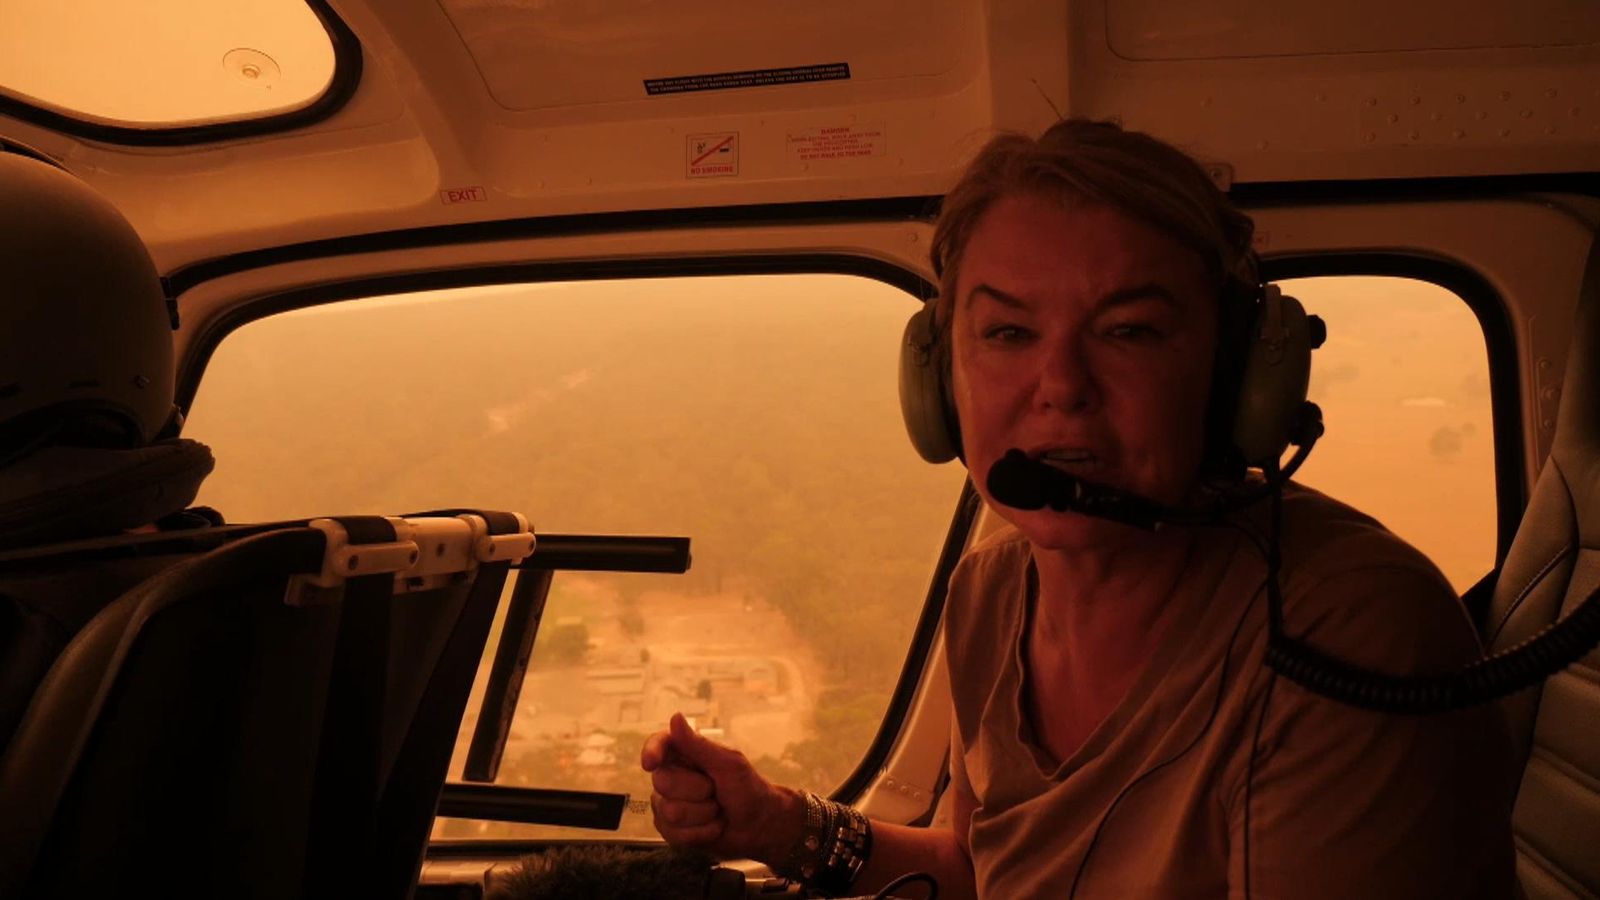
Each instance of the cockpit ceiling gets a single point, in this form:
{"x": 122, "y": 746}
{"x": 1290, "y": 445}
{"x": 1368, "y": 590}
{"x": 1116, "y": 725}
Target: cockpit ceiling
{"x": 1152, "y": 30}
{"x": 472, "y": 111}
{"x": 545, "y": 54}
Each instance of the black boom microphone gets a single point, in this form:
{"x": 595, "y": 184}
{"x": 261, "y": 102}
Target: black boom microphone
{"x": 1024, "y": 483}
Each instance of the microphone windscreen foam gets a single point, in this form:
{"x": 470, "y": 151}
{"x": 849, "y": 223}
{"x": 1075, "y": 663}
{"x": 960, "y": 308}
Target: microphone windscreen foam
{"x": 1018, "y": 481}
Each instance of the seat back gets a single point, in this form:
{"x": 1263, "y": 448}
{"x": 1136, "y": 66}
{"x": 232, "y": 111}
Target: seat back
{"x": 1554, "y": 563}
{"x": 44, "y": 603}
{"x": 254, "y": 723}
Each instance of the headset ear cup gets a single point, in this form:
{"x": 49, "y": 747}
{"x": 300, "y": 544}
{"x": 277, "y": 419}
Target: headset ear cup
{"x": 1277, "y": 373}
{"x": 923, "y": 403}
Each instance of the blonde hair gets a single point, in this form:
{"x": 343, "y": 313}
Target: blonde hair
{"x": 1081, "y": 159}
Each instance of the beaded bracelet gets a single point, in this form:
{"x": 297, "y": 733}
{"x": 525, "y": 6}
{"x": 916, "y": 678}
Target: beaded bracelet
{"x": 834, "y": 844}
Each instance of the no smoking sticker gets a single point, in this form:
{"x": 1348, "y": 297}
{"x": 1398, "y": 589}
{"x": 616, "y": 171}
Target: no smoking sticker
{"x": 713, "y": 155}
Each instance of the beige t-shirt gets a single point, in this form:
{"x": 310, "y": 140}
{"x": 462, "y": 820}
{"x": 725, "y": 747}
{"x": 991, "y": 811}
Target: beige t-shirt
{"x": 1215, "y": 777}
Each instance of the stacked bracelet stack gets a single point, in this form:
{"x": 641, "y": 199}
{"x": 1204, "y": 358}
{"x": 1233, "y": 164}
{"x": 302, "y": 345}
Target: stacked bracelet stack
{"x": 834, "y": 843}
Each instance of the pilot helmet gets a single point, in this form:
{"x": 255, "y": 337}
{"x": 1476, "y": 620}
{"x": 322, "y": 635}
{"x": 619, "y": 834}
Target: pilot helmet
{"x": 87, "y": 334}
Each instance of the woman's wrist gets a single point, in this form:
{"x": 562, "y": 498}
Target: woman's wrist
{"x": 785, "y": 826}
{"x": 832, "y": 844}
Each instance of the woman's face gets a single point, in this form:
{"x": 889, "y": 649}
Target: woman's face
{"x": 1085, "y": 337}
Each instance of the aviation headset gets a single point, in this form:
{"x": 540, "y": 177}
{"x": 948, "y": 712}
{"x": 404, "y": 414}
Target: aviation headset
{"x": 1258, "y": 395}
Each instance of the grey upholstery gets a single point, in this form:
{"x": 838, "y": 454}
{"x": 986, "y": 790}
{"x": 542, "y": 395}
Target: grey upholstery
{"x": 201, "y": 737}
{"x": 1553, "y": 564}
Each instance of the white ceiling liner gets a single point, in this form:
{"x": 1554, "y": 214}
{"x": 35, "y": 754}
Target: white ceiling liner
{"x": 543, "y": 54}
{"x": 1245, "y": 29}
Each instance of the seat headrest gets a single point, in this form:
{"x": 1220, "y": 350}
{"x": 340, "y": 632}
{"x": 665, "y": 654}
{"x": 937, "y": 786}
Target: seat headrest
{"x": 64, "y": 493}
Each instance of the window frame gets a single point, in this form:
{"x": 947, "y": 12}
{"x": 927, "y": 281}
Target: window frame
{"x": 198, "y": 351}
{"x": 1463, "y": 280}
{"x": 464, "y": 802}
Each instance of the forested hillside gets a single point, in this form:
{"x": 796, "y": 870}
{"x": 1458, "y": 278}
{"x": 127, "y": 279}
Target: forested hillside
{"x": 756, "y": 415}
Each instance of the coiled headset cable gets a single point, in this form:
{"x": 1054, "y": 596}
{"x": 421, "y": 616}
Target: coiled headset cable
{"x": 1025, "y": 483}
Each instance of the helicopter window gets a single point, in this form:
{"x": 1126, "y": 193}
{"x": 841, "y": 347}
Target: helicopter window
{"x": 755, "y": 414}
{"x": 1403, "y": 382}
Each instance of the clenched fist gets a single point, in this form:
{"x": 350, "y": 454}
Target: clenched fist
{"x": 708, "y": 796}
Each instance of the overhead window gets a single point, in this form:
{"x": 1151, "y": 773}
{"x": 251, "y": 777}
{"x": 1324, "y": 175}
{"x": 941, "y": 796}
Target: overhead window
{"x": 164, "y": 63}
{"x": 756, "y": 415}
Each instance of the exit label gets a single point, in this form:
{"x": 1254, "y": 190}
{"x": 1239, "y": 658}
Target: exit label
{"x": 463, "y": 195}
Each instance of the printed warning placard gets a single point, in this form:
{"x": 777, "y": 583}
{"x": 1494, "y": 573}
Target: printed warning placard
{"x": 721, "y": 81}
{"x": 711, "y": 155}
{"x": 837, "y": 142}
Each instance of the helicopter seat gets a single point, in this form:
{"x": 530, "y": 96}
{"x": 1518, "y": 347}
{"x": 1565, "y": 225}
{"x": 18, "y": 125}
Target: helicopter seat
{"x": 270, "y": 718}
{"x": 1554, "y": 563}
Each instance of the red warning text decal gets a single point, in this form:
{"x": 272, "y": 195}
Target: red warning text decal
{"x": 462, "y": 195}
{"x": 837, "y": 142}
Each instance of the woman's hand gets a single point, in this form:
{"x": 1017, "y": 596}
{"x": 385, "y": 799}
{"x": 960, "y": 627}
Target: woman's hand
{"x": 708, "y": 796}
